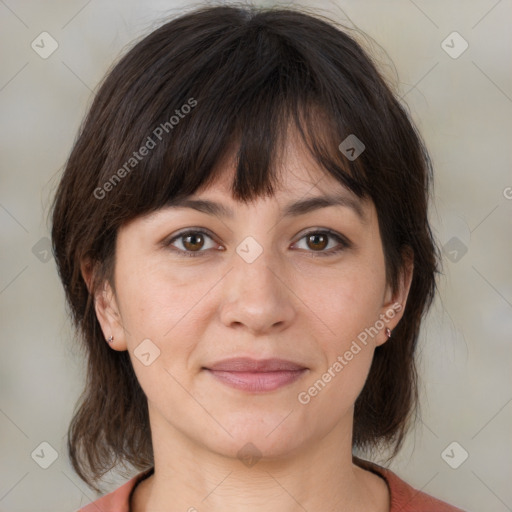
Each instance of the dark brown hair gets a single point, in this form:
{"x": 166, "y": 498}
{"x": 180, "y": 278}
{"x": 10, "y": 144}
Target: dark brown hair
{"x": 211, "y": 80}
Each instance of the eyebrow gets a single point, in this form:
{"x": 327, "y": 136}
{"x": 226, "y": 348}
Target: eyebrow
{"x": 294, "y": 209}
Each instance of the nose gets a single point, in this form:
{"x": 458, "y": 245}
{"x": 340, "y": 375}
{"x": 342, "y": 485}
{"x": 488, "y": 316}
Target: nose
{"x": 256, "y": 296}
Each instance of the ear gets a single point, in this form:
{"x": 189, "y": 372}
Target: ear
{"x": 393, "y": 306}
{"x": 106, "y": 307}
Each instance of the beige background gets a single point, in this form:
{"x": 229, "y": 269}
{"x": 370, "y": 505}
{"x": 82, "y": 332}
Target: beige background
{"x": 463, "y": 107}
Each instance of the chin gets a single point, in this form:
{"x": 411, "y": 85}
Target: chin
{"x": 255, "y": 437}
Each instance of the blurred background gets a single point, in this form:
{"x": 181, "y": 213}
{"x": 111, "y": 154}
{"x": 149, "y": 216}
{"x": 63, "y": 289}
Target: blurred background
{"x": 452, "y": 67}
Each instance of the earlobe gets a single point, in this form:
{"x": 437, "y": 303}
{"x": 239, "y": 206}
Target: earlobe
{"x": 389, "y": 318}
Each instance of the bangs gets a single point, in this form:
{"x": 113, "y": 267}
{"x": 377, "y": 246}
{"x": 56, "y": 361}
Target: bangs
{"x": 236, "y": 92}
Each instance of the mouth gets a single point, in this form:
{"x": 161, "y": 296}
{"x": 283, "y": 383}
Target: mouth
{"x": 254, "y": 375}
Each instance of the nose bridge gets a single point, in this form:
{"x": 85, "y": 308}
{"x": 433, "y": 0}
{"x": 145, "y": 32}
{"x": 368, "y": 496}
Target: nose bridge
{"x": 258, "y": 265}
{"x": 255, "y": 291}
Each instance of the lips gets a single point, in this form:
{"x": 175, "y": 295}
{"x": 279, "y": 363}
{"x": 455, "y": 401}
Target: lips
{"x": 246, "y": 364}
{"x": 255, "y": 375}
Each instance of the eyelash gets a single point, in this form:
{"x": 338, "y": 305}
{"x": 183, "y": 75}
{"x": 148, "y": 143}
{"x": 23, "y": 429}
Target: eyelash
{"x": 345, "y": 244}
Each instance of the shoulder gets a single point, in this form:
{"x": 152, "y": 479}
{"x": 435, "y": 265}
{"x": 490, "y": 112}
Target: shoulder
{"x": 405, "y": 498}
{"x": 118, "y": 500}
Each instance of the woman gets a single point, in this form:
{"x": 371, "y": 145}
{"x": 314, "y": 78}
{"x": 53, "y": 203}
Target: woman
{"x": 243, "y": 219}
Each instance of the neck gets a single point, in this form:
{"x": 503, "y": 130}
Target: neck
{"x": 188, "y": 477}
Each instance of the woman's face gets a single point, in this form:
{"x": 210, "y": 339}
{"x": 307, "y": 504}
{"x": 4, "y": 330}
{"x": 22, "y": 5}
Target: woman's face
{"x": 259, "y": 285}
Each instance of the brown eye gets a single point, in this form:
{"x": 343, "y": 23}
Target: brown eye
{"x": 193, "y": 243}
{"x": 317, "y": 241}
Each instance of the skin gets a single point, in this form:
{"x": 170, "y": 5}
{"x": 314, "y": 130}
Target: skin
{"x": 286, "y": 304}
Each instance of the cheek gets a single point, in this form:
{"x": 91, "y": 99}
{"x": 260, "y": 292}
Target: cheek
{"x": 169, "y": 311}
{"x": 349, "y": 301}
{"x": 154, "y": 301}
{"x": 347, "y": 357}
{"x": 161, "y": 318}
{"x": 349, "y": 305}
